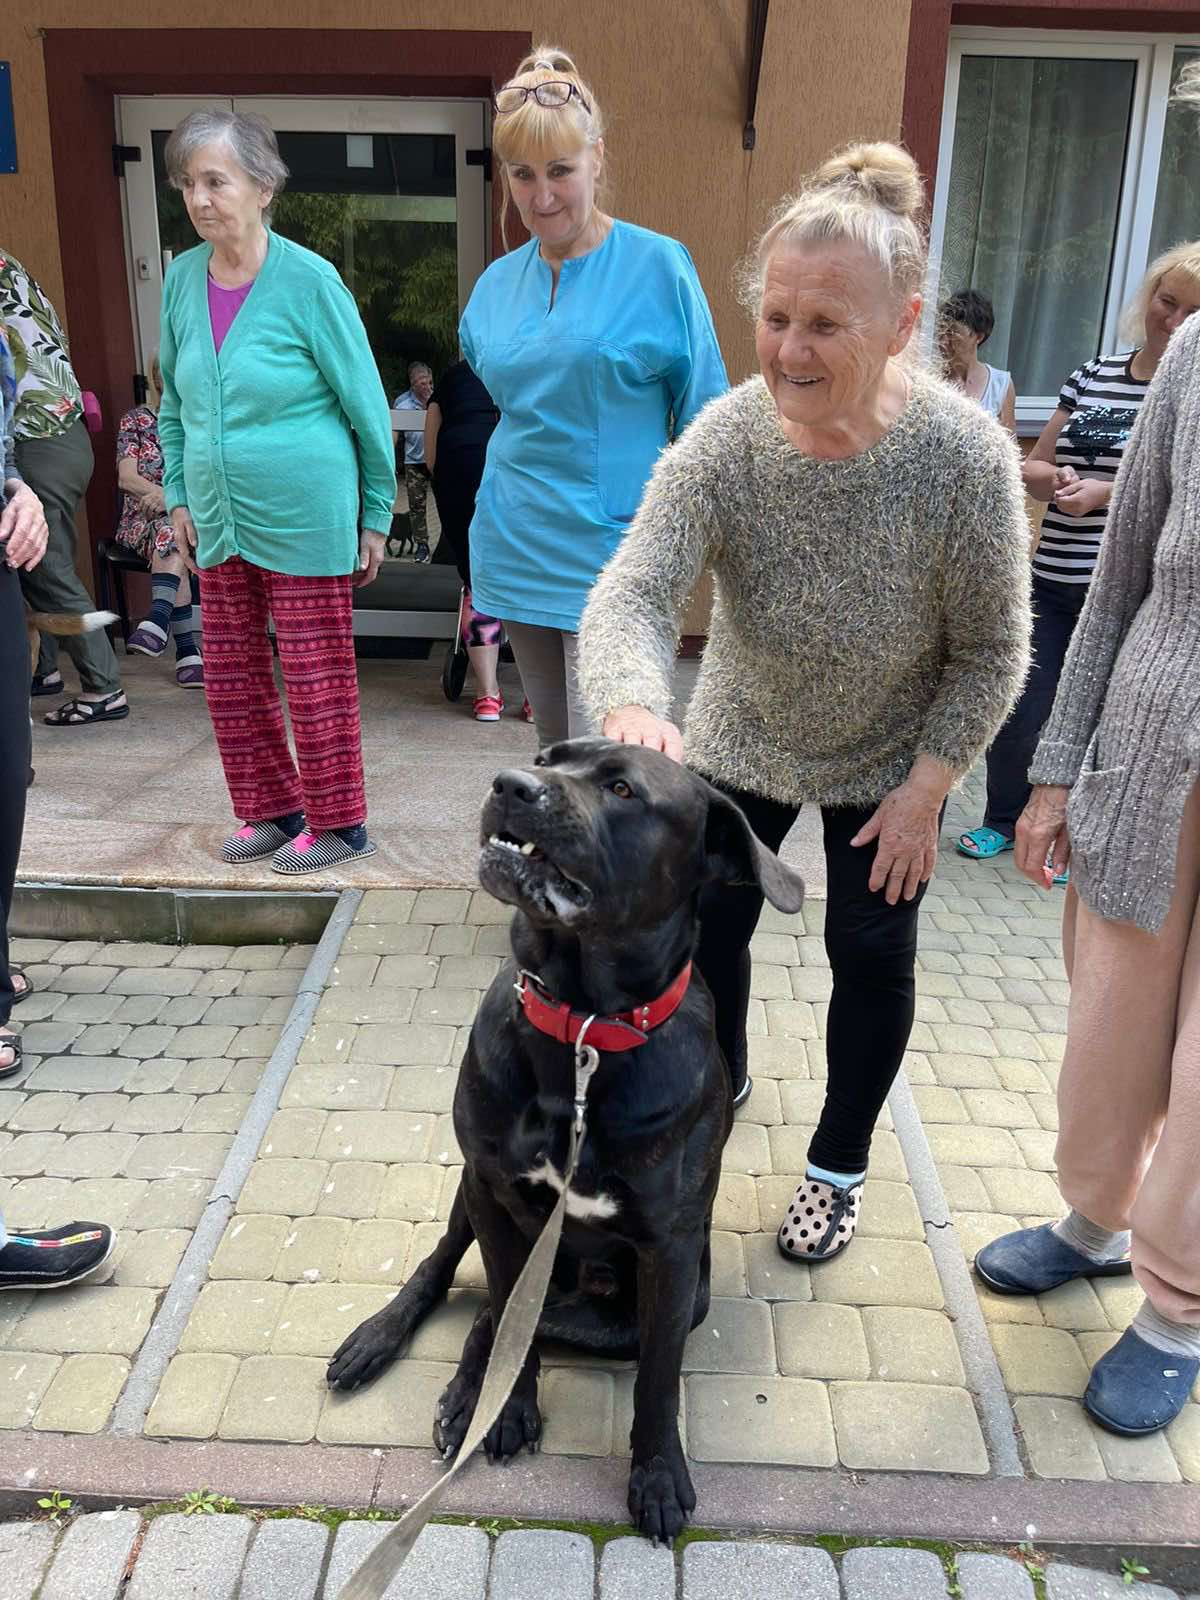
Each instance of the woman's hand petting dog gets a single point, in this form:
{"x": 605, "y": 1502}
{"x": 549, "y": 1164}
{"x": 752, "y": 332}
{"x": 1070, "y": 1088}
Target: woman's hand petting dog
{"x": 636, "y": 725}
{"x": 23, "y": 530}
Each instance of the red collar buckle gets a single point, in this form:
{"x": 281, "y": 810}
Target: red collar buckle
{"x": 625, "y": 1031}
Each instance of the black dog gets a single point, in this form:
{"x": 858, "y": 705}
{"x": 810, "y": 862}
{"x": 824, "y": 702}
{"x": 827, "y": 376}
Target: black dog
{"x": 604, "y": 849}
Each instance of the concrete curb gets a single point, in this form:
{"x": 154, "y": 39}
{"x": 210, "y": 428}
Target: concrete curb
{"x": 100, "y": 1471}
{"x": 984, "y": 1377}
{"x": 160, "y": 1344}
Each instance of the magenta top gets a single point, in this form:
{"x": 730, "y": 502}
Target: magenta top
{"x": 223, "y": 306}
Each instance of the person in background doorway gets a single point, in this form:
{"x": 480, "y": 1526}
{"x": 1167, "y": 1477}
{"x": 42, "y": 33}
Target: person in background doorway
{"x": 279, "y": 480}
{"x": 1073, "y": 466}
{"x": 867, "y": 535}
{"x": 965, "y": 323}
{"x": 1116, "y": 796}
{"x": 54, "y": 456}
{"x": 460, "y": 419}
{"x": 597, "y": 344}
{"x": 145, "y": 528}
{"x": 416, "y": 471}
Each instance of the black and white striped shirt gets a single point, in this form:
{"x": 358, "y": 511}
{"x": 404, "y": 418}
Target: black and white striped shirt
{"x": 1104, "y": 399}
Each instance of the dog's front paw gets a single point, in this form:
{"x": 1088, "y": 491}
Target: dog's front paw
{"x": 372, "y": 1346}
{"x": 519, "y": 1425}
{"x": 661, "y": 1498}
{"x": 454, "y": 1412}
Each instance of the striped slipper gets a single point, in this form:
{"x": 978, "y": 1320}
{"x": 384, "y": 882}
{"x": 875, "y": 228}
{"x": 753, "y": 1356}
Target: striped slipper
{"x": 820, "y": 1221}
{"x": 254, "y": 842}
{"x": 313, "y": 852}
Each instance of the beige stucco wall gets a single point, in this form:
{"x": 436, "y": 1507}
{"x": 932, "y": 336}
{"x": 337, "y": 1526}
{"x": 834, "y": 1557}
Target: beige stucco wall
{"x": 671, "y": 78}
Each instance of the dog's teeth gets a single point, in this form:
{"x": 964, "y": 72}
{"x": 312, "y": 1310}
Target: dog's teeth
{"x": 528, "y": 847}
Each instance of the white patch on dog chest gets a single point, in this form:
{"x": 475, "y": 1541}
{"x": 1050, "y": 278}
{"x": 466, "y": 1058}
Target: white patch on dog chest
{"x": 584, "y": 1207}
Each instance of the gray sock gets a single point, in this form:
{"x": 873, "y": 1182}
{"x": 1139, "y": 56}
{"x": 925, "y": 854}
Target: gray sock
{"x": 1172, "y": 1338}
{"x": 1090, "y": 1239}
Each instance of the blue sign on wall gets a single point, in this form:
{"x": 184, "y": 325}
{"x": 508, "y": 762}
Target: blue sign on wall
{"x": 8, "y": 131}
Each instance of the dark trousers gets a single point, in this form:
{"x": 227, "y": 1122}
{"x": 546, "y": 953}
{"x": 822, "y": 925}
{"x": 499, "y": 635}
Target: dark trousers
{"x": 14, "y": 755}
{"x": 1056, "y": 608}
{"x": 872, "y": 949}
{"x": 58, "y": 470}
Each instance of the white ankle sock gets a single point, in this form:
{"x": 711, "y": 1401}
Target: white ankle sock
{"x": 1090, "y": 1239}
{"x": 839, "y": 1180}
{"x": 1173, "y": 1338}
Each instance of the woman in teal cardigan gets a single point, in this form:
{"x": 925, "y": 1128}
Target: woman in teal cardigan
{"x": 277, "y": 449}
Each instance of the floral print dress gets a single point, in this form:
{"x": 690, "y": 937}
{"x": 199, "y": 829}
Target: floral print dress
{"x": 137, "y": 438}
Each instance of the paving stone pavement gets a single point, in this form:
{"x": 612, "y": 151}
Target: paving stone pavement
{"x": 853, "y": 1364}
{"x": 141, "y": 1060}
{"x": 115, "y": 1555}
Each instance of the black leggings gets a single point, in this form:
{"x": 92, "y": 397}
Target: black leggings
{"x": 15, "y": 670}
{"x": 872, "y": 949}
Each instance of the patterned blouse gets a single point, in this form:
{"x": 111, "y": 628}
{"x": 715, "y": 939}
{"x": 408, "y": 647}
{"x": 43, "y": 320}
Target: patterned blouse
{"x": 48, "y": 397}
{"x": 8, "y": 400}
{"x": 137, "y": 439}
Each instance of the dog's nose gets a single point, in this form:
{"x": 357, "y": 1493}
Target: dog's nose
{"x": 517, "y": 785}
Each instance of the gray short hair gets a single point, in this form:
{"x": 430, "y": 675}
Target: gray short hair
{"x": 418, "y": 366}
{"x": 251, "y": 138}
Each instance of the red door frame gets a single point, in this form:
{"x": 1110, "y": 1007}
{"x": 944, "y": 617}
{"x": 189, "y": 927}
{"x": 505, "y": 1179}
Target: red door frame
{"x": 87, "y": 67}
{"x": 929, "y": 47}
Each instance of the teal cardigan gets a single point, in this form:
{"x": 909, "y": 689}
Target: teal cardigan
{"x": 282, "y": 445}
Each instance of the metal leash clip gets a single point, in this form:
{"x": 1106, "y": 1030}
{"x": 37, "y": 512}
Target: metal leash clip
{"x": 587, "y": 1059}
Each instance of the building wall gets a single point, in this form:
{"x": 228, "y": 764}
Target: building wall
{"x": 673, "y": 91}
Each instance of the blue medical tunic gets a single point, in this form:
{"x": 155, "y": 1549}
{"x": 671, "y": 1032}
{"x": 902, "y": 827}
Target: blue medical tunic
{"x": 590, "y": 389}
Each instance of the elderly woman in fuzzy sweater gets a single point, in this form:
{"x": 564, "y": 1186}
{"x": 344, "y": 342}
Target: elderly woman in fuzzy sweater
{"x": 866, "y": 529}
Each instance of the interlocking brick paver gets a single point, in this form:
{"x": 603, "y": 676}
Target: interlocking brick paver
{"x": 149, "y": 1259}
{"x": 902, "y": 1427}
{"x": 577, "y": 1412}
{"x": 410, "y": 1192}
{"x": 880, "y": 1272}
{"x": 312, "y": 1250}
{"x": 200, "y": 1554}
{"x": 352, "y": 1189}
{"x": 234, "y": 1317}
{"x": 24, "y": 1379}
{"x": 376, "y": 1251}
{"x": 1184, "y": 1438}
{"x": 1039, "y": 1360}
{"x": 275, "y": 1398}
{"x": 176, "y": 1202}
{"x": 316, "y": 1317}
{"x": 390, "y": 1136}
{"x": 636, "y": 1567}
{"x": 447, "y": 1563}
{"x": 817, "y": 1340}
{"x": 1021, "y": 1193}
{"x": 250, "y": 1247}
{"x": 91, "y": 1557}
{"x": 285, "y": 1560}
{"x": 191, "y": 1396}
{"x": 769, "y": 1276}
{"x": 92, "y": 1320}
{"x": 772, "y": 1421}
{"x": 1147, "y": 1460}
{"x": 396, "y": 1409}
{"x": 294, "y": 1132}
{"x": 25, "y": 1551}
{"x": 739, "y": 1570}
{"x": 908, "y": 1345}
{"x": 284, "y": 1188}
{"x": 82, "y": 1394}
{"x": 892, "y": 1575}
{"x": 736, "y": 1336}
{"x": 1065, "y": 1582}
{"x": 988, "y": 1577}
{"x": 1058, "y": 1439}
{"x": 150, "y": 1113}
{"x": 92, "y": 1155}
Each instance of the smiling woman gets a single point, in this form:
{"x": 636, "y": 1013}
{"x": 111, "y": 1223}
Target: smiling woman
{"x": 866, "y": 528}
{"x": 596, "y": 343}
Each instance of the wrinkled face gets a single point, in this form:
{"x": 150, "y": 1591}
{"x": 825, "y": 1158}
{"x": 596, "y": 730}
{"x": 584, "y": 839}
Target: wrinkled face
{"x": 556, "y": 198}
{"x": 595, "y": 834}
{"x": 224, "y": 202}
{"x": 827, "y": 324}
{"x": 422, "y": 386}
{"x": 1176, "y": 296}
{"x": 959, "y": 345}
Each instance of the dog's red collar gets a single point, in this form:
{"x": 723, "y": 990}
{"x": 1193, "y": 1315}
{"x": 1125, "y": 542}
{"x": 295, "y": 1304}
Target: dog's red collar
{"x": 624, "y": 1031}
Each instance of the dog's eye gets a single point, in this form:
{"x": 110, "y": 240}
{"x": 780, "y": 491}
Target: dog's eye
{"x": 621, "y": 789}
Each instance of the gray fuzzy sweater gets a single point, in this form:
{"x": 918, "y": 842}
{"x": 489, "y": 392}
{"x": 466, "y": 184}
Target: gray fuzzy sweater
{"x": 1125, "y": 729}
{"x": 866, "y": 610}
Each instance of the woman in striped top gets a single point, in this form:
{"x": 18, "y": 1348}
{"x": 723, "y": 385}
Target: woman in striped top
{"x": 1072, "y": 466}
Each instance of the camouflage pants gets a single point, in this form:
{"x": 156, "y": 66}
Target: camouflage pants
{"x": 416, "y": 483}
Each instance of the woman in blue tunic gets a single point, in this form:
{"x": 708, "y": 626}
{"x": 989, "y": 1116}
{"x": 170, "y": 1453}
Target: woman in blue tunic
{"x": 597, "y": 344}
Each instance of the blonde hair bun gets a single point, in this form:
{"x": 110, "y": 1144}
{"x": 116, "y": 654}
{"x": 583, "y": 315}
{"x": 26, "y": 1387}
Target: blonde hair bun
{"x": 547, "y": 58}
{"x": 883, "y": 174}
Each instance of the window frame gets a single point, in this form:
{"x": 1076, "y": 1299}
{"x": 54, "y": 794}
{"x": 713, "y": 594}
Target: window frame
{"x": 1153, "y": 56}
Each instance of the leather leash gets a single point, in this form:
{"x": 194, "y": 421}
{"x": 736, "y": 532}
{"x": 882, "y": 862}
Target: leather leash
{"x": 510, "y": 1346}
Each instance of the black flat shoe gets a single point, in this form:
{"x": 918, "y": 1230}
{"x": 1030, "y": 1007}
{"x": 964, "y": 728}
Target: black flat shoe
{"x": 52, "y": 1258}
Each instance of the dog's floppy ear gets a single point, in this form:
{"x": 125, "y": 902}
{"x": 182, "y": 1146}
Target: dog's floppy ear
{"x": 737, "y": 855}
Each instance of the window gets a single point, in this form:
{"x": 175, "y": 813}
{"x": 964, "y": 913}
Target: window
{"x": 1063, "y": 171}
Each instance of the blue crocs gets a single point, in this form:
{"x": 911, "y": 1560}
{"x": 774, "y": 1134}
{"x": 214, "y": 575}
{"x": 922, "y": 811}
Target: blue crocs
{"x": 1034, "y": 1260}
{"x": 1137, "y": 1389}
